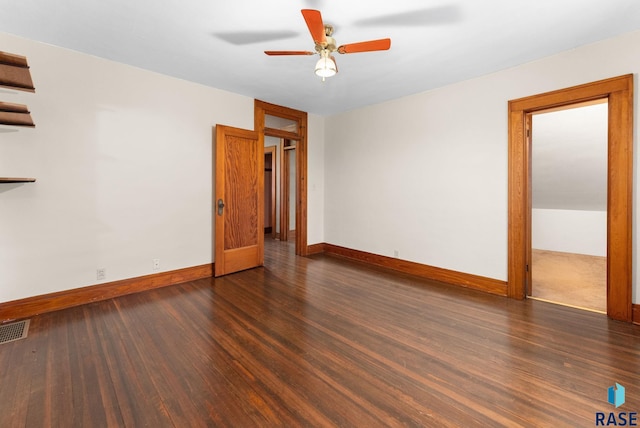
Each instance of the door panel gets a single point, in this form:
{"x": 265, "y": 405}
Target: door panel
{"x": 239, "y": 200}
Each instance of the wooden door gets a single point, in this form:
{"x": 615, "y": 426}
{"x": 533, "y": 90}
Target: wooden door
{"x": 239, "y": 200}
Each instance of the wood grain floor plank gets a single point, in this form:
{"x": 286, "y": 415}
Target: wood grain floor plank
{"x": 318, "y": 341}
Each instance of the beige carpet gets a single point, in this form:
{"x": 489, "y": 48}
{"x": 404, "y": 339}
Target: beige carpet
{"x": 571, "y": 279}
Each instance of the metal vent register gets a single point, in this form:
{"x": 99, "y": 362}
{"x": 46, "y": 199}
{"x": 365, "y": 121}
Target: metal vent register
{"x": 14, "y": 331}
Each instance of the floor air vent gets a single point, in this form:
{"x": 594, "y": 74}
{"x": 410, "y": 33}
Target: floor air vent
{"x": 14, "y": 331}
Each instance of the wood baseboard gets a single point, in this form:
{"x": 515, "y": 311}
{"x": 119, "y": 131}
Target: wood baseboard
{"x": 636, "y": 314}
{"x": 30, "y": 306}
{"x": 315, "y": 249}
{"x": 476, "y": 282}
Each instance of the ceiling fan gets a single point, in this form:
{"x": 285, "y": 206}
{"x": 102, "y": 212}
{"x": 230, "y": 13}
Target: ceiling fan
{"x": 326, "y": 45}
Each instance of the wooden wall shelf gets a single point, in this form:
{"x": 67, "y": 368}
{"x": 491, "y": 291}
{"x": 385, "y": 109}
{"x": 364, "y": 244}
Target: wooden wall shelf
{"x": 15, "y": 114}
{"x": 16, "y": 180}
{"x": 14, "y": 72}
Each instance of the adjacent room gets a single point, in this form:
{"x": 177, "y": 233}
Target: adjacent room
{"x": 569, "y": 206}
{"x": 318, "y": 214}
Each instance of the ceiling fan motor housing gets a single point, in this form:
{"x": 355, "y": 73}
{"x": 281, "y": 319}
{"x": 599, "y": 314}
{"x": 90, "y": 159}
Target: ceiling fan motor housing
{"x": 330, "y": 44}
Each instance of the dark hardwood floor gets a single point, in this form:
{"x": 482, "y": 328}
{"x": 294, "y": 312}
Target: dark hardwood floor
{"x": 316, "y": 341}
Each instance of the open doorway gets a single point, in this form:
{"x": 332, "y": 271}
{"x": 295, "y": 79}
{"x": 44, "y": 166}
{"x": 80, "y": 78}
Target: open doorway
{"x": 619, "y": 93}
{"x": 288, "y": 127}
{"x": 270, "y": 186}
{"x": 288, "y": 190}
{"x": 280, "y": 188}
{"x": 569, "y": 206}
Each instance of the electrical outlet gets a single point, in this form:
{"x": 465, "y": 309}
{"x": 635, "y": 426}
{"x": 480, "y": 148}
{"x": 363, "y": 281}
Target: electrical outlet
{"x": 395, "y": 253}
{"x": 101, "y": 273}
{"x": 156, "y": 264}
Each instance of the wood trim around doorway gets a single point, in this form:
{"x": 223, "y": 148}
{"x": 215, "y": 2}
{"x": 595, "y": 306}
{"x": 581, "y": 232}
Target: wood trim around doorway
{"x": 619, "y": 93}
{"x": 262, "y": 109}
{"x": 272, "y": 150}
{"x": 285, "y": 193}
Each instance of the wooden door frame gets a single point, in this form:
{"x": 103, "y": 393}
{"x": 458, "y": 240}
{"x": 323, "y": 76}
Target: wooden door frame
{"x": 529, "y": 212}
{"x": 619, "y": 93}
{"x": 262, "y": 109}
{"x": 272, "y": 150}
{"x": 285, "y": 194}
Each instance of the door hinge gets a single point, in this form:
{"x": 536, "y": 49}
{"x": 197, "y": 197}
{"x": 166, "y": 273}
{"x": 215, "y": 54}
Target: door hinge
{"x": 527, "y": 267}
{"x": 528, "y": 133}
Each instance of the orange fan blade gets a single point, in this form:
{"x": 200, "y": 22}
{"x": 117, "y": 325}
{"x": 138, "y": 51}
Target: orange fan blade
{"x": 313, "y": 18}
{"x": 371, "y": 45}
{"x": 289, "y": 53}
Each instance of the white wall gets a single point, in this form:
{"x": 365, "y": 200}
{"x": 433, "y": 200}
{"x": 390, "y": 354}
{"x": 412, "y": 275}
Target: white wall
{"x": 570, "y": 231}
{"x": 123, "y": 159}
{"x": 427, "y": 174}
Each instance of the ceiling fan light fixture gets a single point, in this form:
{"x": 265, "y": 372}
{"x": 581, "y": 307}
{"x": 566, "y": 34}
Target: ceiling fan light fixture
{"x": 325, "y": 67}
{"x": 325, "y": 45}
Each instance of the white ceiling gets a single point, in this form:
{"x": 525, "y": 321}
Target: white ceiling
{"x": 221, "y": 43}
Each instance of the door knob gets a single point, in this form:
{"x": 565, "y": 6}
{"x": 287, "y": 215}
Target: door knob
{"x": 220, "y": 206}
